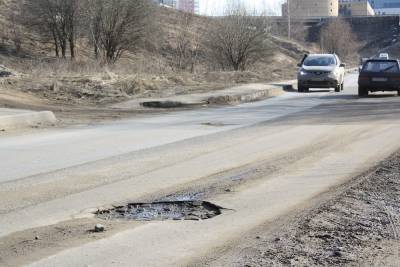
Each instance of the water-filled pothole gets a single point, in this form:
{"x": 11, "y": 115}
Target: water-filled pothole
{"x": 159, "y": 211}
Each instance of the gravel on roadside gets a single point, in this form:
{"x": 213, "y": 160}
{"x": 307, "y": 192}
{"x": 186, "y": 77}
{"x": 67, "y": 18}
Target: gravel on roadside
{"x": 360, "y": 226}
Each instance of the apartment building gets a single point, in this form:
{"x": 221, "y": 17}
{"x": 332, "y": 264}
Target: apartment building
{"x": 385, "y": 4}
{"x": 190, "y": 6}
{"x": 350, "y": 8}
{"x": 311, "y": 8}
{"x": 167, "y": 3}
{"x": 386, "y": 7}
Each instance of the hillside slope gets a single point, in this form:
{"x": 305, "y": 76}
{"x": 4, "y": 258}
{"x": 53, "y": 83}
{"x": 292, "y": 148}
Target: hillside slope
{"x": 40, "y": 81}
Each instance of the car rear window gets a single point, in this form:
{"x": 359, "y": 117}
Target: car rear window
{"x": 319, "y": 61}
{"x": 381, "y": 66}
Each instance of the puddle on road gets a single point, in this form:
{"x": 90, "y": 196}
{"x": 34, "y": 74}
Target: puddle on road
{"x": 160, "y": 211}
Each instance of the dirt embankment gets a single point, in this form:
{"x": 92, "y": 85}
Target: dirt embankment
{"x": 81, "y": 95}
{"x": 74, "y": 88}
{"x": 358, "y": 227}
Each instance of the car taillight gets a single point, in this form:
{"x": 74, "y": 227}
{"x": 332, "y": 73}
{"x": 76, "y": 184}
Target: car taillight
{"x": 396, "y": 78}
{"x": 363, "y": 78}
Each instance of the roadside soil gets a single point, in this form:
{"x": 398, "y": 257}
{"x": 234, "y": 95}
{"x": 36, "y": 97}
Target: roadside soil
{"x": 86, "y": 95}
{"x": 359, "y": 225}
{"x": 74, "y": 108}
{"x": 80, "y": 109}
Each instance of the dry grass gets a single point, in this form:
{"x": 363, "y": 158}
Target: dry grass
{"x": 145, "y": 73}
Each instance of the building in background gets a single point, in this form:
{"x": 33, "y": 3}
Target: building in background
{"x": 311, "y": 8}
{"x": 378, "y": 4}
{"x": 349, "y": 8}
{"x": 190, "y": 6}
{"x": 386, "y": 7}
{"x": 167, "y": 3}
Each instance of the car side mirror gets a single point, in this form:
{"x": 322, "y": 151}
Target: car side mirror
{"x": 342, "y": 65}
{"x": 299, "y": 65}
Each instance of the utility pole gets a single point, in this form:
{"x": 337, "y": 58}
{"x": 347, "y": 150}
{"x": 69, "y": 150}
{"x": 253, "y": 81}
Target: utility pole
{"x": 289, "y": 19}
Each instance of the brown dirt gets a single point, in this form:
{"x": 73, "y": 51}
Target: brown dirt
{"x": 358, "y": 226}
{"x": 76, "y": 97}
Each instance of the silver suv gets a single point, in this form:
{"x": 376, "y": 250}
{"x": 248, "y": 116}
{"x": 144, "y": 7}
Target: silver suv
{"x": 321, "y": 71}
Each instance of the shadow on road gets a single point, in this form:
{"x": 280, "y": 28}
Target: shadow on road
{"x": 381, "y": 96}
{"x": 355, "y": 96}
{"x": 318, "y": 91}
{"x": 339, "y": 96}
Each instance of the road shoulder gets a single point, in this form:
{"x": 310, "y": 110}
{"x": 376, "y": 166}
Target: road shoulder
{"x": 356, "y": 224}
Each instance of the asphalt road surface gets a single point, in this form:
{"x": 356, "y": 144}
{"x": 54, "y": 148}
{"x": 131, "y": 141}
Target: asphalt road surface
{"x": 259, "y": 161}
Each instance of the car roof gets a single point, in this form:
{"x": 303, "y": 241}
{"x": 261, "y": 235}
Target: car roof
{"x": 382, "y": 60}
{"x": 321, "y": 55}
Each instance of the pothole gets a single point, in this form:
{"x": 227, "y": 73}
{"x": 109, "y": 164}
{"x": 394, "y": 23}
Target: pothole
{"x": 4, "y": 73}
{"x": 160, "y": 211}
{"x": 191, "y": 196}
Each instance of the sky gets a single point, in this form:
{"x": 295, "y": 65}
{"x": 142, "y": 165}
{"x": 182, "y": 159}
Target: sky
{"x": 217, "y": 7}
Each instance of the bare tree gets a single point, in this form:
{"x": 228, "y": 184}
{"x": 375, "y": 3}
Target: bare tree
{"x": 186, "y": 45}
{"x": 55, "y": 20}
{"x": 10, "y": 29}
{"x": 338, "y": 37}
{"x": 71, "y": 10}
{"x": 94, "y": 20}
{"x": 15, "y": 32}
{"x": 3, "y": 35}
{"x": 117, "y": 26}
{"x": 237, "y": 40}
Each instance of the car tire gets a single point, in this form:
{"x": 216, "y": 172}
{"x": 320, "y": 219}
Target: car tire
{"x": 398, "y": 93}
{"x": 299, "y": 87}
{"x": 342, "y": 87}
{"x": 302, "y": 89}
{"x": 338, "y": 88}
{"x": 362, "y": 92}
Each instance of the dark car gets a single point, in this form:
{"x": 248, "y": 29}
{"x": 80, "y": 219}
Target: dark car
{"x": 379, "y": 75}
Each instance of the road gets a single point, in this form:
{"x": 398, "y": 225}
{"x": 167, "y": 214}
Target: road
{"x": 259, "y": 160}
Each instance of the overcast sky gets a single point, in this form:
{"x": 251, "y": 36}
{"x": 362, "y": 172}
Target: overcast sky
{"x": 217, "y": 7}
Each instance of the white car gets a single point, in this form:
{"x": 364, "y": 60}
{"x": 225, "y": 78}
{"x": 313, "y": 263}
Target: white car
{"x": 321, "y": 71}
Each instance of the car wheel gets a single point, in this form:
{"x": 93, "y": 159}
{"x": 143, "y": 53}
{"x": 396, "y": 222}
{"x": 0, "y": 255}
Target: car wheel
{"x": 299, "y": 87}
{"x": 302, "y": 89}
{"x": 362, "y": 92}
{"x": 338, "y": 88}
{"x": 342, "y": 87}
{"x": 398, "y": 93}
